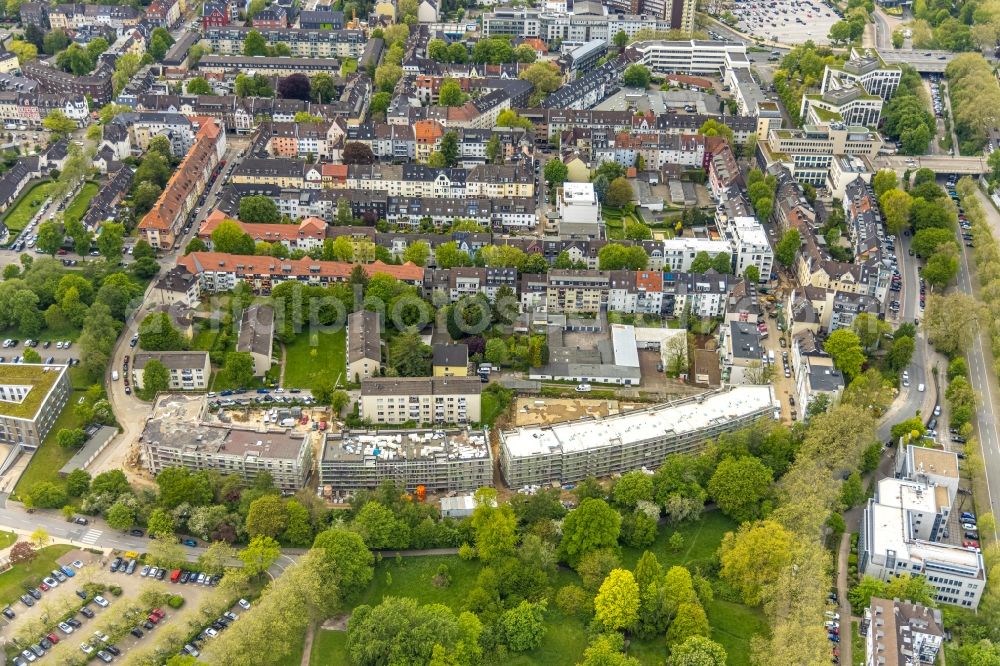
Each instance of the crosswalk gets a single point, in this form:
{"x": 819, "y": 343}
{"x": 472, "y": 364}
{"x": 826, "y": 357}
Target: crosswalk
{"x": 91, "y": 536}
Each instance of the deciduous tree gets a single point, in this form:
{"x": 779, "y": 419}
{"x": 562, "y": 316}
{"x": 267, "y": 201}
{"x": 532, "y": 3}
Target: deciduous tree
{"x": 739, "y": 487}
{"x": 616, "y": 605}
{"x": 590, "y": 526}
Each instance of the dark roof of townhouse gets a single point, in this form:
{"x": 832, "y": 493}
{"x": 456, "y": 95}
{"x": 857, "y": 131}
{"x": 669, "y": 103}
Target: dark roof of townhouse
{"x": 451, "y": 355}
{"x": 364, "y": 337}
{"x": 256, "y": 329}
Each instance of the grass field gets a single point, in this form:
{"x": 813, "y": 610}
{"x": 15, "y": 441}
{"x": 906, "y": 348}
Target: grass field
{"x": 566, "y": 637}
{"x": 78, "y": 208}
{"x": 311, "y": 358}
{"x": 329, "y": 647}
{"x": 26, "y": 206}
{"x": 7, "y": 539}
{"x": 50, "y": 457}
{"x": 490, "y": 408}
{"x": 14, "y": 581}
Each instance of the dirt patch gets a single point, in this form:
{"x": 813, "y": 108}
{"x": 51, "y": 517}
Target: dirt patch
{"x": 338, "y": 623}
{"x": 541, "y": 411}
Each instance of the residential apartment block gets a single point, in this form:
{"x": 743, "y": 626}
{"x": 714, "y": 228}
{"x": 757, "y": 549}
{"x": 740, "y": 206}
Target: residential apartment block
{"x": 394, "y": 400}
{"x": 641, "y": 439}
{"x": 364, "y": 345}
{"x": 286, "y": 455}
{"x": 438, "y": 460}
{"x": 189, "y": 371}
{"x": 901, "y": 633}
{"x": 50, "y": 79}
{"x": 162, "y": 224}
{"x": 228, "y": 41}
{"x": 256, "y": 336}
{"x": 306, "y": 235}
{"x": 220, "y": 272}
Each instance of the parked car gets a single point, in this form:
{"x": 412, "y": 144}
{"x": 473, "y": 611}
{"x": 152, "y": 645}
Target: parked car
{"x": 9, "y": 613}
{"x": 101, "y": 601}
{"x": 87, "y": 612}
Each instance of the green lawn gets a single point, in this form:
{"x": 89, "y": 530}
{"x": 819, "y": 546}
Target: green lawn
{"x": 490, "y": 408}
{"x": 21, "y": 212}
{"x": 311, "y": 358}
{"x": 78, "y": 208}
{"x": 7, "y": 539}
{"x": 701, "y": 540}
{"x": 566, "y": 637}
{"x": 14, "y": 581}
{"x": 50, "y": 457}
{"x": 329, "y": 647}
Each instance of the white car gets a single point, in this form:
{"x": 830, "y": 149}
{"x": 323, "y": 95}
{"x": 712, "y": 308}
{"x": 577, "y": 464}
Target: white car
{"x": 65, "y": 628}
{"x": 970, "y": 527}
{"x": 211, "y": 632}
{"x": 101, "y": 601}
{"x": 101, "y": 637}
{"x": 244, "y": 604}
{"x": 87, "y": 649}
{"x": 50, "y": 581}
{"x": 583, "y": 388}
{"x": 77, "y": 563}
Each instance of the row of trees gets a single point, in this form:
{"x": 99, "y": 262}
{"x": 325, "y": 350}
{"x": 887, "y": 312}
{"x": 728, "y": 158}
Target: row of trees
{"x": 975, "y": 100}
{"x": 907, "y": 118}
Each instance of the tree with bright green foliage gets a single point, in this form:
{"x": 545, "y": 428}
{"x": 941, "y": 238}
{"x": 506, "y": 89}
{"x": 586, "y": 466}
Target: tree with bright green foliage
{"x": 739, "y": 487}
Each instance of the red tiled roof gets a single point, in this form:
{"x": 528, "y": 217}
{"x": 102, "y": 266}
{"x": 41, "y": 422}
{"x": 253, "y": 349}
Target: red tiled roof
{"x": 309, "y": 228}
{"x": 193, "y": 168}
{"x": 200, "y": 262}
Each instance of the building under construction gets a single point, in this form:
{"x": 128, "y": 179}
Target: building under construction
{"x": 438, "y": 460}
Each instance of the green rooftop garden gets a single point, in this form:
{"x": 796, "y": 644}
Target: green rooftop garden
{"x": 35, "y": 376}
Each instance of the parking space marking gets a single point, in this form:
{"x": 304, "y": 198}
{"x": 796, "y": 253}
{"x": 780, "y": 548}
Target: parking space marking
{"x": 91, "y": 536}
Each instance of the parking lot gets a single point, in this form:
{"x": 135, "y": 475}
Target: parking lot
{"x": 50, "y": 351}
{"x": 83, "y": 610}
{"x": 787, "y": 22}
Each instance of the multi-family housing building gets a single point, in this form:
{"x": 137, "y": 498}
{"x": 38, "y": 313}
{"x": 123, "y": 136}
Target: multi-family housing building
{"x": 815, "y": 374}
{"x": 188, "y": 371}
{"x": 228, "y": 41}
{"x": 364, "y": 345}
{"x": 221, "y": 272}
{"x": 77, "y": 16}
{"x": 215, "y": 14}
{"x": 163, "y": 13}
{"x": 572, "y": 451}
{"x": 255, "y": 336}
{"x": 162, "y": 224}
{"x": 901, "y": 633}
{"x": 306, "y": 235}
{"x": 50, "y": 79}
{"x": 399, "y": 180}
{"x": 284, "y": 454}
{"x": 396, "y": 400}
{"x": 439, "y": 460}
{"x": 903, "y": 529}
{"x": 242, "y": 115}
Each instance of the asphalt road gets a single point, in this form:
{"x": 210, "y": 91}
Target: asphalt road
{"x": 910, "y": 399}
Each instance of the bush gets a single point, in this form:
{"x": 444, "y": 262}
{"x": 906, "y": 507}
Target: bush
{"x": 175, "y": 601}
{"x": 467, "y": 552}
{"x": 115, "y": 590}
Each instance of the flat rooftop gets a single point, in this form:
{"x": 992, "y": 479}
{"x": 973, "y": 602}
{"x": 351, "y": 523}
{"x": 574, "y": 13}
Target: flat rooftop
{"x": 677, "y": 418}
{"x": 38, "y": 379}
{"x": 391, "y": 445}
{"x": 889, "y": 532}
{"x": 934, "y": 461}
{"x": 222, "y": 440}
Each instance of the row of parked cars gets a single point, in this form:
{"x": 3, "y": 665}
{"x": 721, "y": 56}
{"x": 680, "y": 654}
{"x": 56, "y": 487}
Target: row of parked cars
{"x": 212, "y": 630}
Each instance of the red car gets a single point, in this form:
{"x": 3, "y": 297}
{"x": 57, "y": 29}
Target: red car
{"x": 52, "y": 637}
{"x": 158, "y": 613}
{"x": 43, "y": 587}
{"x": 968, "y": 543}
{"x": 155, "y": 619}
{"x": 60, "y": 251}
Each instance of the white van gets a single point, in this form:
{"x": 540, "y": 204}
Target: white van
{"x": 920, "y": 387}
{"x": 114, "y": 375}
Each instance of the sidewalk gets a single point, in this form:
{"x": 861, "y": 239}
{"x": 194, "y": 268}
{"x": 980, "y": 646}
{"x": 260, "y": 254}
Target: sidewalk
{"x": 845, "y": 604}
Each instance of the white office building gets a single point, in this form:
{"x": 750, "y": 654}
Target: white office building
{"x": 679, "y": 253}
